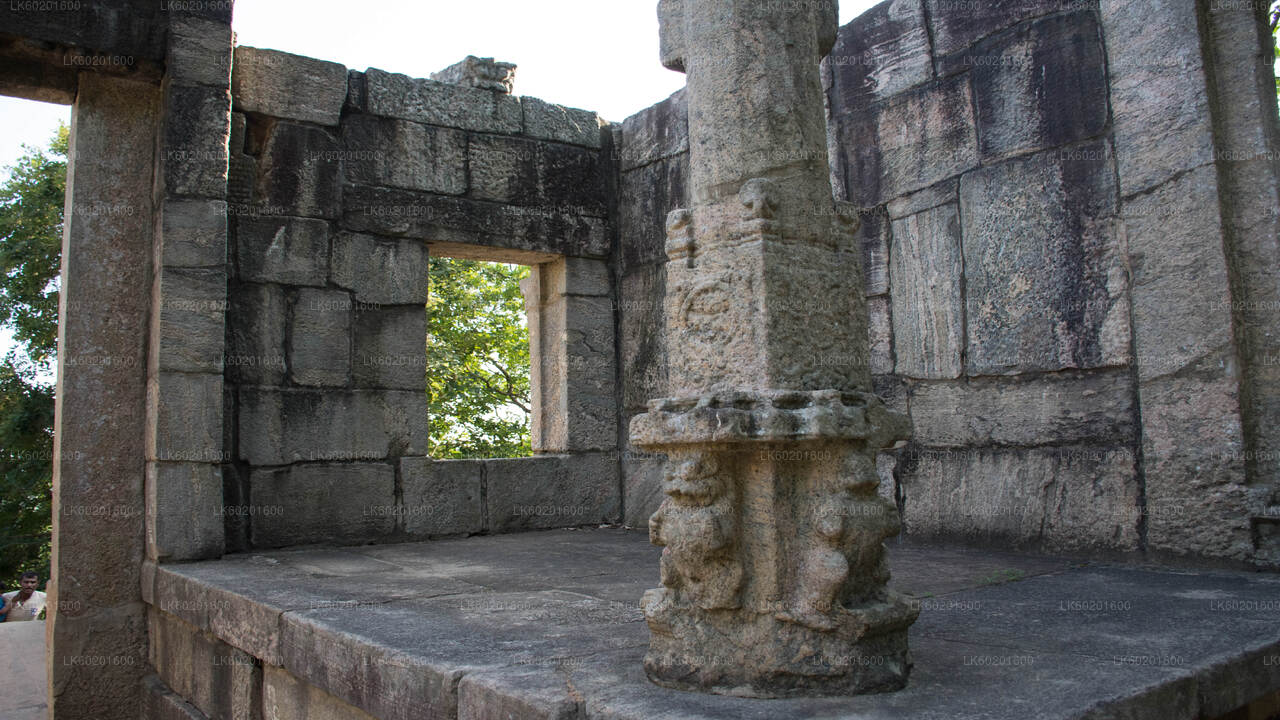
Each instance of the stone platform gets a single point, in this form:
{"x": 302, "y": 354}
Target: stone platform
{"x": 547, "y": 625}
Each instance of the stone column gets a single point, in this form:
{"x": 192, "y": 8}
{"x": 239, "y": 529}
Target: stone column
{"x": 773, "y": 573}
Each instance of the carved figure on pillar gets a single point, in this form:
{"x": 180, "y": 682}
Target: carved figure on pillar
{"x": 773, "y": 570}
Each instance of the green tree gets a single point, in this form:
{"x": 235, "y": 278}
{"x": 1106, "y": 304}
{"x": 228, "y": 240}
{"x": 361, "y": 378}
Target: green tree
{"x": 31, "y": 202}
{"x": 477, "y": 360}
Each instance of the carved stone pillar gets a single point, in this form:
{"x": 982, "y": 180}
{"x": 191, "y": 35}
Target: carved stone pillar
{"x": 773, "y": 573}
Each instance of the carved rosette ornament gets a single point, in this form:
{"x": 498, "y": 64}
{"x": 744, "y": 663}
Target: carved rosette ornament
{"x": 773, "y": 570}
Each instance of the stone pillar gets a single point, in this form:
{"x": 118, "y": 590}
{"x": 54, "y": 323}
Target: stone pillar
{"x": 97, "y": 627}
{"x": 773, "y": 573}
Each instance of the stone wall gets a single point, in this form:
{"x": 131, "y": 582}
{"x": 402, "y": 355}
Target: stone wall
{"x": 342, "y": 185}
{"x": 1063, "y": 296}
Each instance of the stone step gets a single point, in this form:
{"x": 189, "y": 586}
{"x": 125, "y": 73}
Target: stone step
{"x": 547, "y": 625}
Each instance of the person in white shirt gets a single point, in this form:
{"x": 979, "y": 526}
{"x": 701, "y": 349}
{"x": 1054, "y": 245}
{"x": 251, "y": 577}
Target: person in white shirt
{"x": 25, "y": 604}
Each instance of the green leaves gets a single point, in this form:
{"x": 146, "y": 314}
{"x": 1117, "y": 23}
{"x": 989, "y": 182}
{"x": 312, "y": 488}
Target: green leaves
{"x": 477, "y": 360}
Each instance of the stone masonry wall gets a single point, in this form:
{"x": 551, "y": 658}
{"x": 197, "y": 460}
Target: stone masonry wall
{"x": 342, "y": 184}
{"x": 1047, "y": 257}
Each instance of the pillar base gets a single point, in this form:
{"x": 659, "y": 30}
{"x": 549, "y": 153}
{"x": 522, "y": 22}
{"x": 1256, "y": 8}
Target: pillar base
{"x": 731, "y": 652}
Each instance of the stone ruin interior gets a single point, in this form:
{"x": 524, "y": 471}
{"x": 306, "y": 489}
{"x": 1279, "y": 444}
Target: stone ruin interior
{"x": 1036, "y": 329}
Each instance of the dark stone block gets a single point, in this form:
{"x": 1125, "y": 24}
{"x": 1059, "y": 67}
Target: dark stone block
{"x": 462, "y": 222}
{"x": 1040, "y": 87}
{"x": 538, "y": 174}
{"x": 655, "y": 133}
{"x": 881, "y": 53}
{"x": 874, "y": 234}
{"x": 648, "y": 194}
{"x": 128, "y": 28}
{"x": 216, "y": 10}
{"x": 300, "y": 172}
{"x": 399, "y": 153}
{"x": 196, "y": 127}
{"x": 957, "y": 25}
{"x": 644, "y": 356}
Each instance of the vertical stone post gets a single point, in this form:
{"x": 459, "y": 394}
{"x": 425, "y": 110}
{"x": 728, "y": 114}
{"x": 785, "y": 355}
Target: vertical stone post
{"x": 96, "y": 632}
{"x": 773, "y": 570}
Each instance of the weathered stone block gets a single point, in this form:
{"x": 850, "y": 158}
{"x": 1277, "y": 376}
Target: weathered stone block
{"x": 477, "y": 72}
{"x": 577, "y": 276}
{"x": 1159, "y": 99}
{"x": 380, "y": 271}
{"x": 320, "y": 338}
{"x": 1181, "y": 294}
{"x": 874, "y": 232}
{"x": 391, "y": 347}
{"x": 436, "y": 103}
{"x": 192, "y": 308}
{"x": 655, "y": 133}
{"x": 442, "y": 497}
{"x": 199, "y": 52}
{"x": 957, "y": 25}
{"x": 300, "y": 172}
{"x": 290, "y": 251}
{"x": 256, "y": 322}
{"x": 927, "y": 310}
{"x": 448, "y": 220}
{"x": 1062, "y": 498}
{"x": 927, "y": 199}
{"x": 549, "y": 121}
{"x": 348, "y": 502}
{"x": 591, "y": 410}
{"x": 278, "y": 427}
{"x": 397, "y": 153}
{"x": 285, "y": 697}
{"x": 647, "y": 195}
{"x": 159, "y": 703}
{"x": 1194, "y": 455}
{"x": 186, "y": 409}
{"x": 912, "y": 141}
{"x": 1042, "y": 87}
{"x": 217, "y": 679}
{"x": 641, "y": 322}
{"x": 537, "y": 174}
{"x": 1045, "y": 280}
{"x": 197, "y": 123}
{"x": 642, "y": 486}
{"x": 882, "y": 52}
{"x": 881, "y": 327}
{"x": 193, "y": 233}
{"x": 184, "y": 518}
{"x": 279, "y": 84}
{"x": 1067, "y": 409}
{"x": 548, "y": 491}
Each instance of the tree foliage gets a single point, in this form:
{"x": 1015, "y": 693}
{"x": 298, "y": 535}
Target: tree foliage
{"x": 477, "y": 360}
{"x": 31, "y": 203}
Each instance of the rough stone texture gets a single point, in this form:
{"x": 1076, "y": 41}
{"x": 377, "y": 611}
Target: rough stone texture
{"x": 1042, "y": 87}
{"x": 396, "y": 153}
{"x": 199, "y": 52}
{"x": 927, "y": 199}
{"x": 190, "y": 319}
{"x": 928, "y": 302}
{"x": 881, "y": 327}
{"x": 194, "y": 233}
{"x": 187, "y": 410}
{"x": 1069, "y": 408}
{"x": 448, "y": 220}
{"x": 300, "y": 172}
{"x": 218, "y": 680}
{"x": 285, "y": 697}
{"x": 160, "y": 703}
{"x": 653, "y": 134}
{"x": 1045, "y": 275}
{"x": 550, "y": 491}
{"x": 1181, "y": 299}
{"x": 642, "y": 486}
{"x": 197, "y": 121}
{"x": 881, "y": 53}
{"x": 644, "y": 358}
{"x": 183, "y": 504}
{"x": 278, "y": 427}
{"x": 256, "y": 338}
{"x": 348, "y": 502}
{"x": 651, "y": 192}
{"x": 279, "y": 84}
{"x": 442, "y": 497}
{"x": 955, "y": 26}
{"x": 102, "y": 415}
{"x": 912, "y": 141}
{"x": 380, "y": 271}
{"x": 874, "y": 232}
{"x": 1158, "y": 96}
{"x": 320, "y": 337}
{"x": 483, "y": 73}
{"x": 563, "y": 124}
{"x": 390, "y": 348}
{"x": 537, "y": 174}
{"x": 1063, "y": 498}
{"x": 436, "y": 103}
